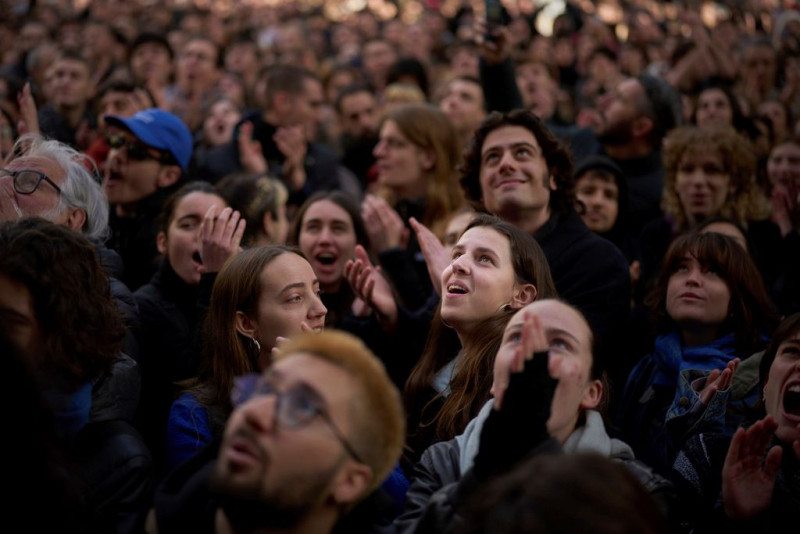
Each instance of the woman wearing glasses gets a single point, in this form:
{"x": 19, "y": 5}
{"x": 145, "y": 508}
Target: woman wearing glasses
{"x": 260, "y": 295}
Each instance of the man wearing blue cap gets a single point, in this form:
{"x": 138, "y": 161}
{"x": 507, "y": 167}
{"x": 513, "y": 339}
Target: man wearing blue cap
{"x": 149, "y": 156}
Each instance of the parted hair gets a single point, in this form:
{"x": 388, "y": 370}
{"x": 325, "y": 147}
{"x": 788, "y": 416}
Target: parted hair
{"x": 430, "y": 129}
{"x": 745, "y": 201}
{"x": 376, "y": 413}
{"x": 81, "y": 327}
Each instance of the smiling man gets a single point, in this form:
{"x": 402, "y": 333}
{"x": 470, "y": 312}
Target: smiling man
{"x": 149, "y": 155}
{"x": 520, "y": 172}
{"x": 308, "y": 440}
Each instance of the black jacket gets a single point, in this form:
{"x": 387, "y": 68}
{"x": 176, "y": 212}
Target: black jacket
{"x": 591, "y": 274}
{"x": 170, "y": 349}
{"x": 321, "y": 166}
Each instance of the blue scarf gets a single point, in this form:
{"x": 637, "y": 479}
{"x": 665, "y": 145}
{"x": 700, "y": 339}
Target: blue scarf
{"x": 70, "y": 410}
{"x": 672, "y": 357}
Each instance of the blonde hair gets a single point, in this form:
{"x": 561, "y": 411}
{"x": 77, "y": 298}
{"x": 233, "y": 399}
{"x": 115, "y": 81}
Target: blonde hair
{"x": 377, "y": 421}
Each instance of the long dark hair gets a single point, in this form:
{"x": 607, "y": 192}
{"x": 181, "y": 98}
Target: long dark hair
{"x": 751, "y": 314}
{"x": 472, "y": 380}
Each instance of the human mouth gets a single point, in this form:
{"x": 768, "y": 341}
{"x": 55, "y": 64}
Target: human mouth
{"x": 456, "y": 288}
{"x": 690, "y": 296}
{"x": 242, "y": 451}
{"x": 791, "y": 401}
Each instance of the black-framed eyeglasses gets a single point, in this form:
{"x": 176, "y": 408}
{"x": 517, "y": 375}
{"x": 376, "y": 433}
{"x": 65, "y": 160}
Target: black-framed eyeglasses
{"x": 27, "y": 181}
{"x": 294, "y": 408}
{"x": 135, "y": 149}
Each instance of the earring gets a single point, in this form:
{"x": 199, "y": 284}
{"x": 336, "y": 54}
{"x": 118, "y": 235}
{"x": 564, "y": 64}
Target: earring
{"x": 256, "y": 344}
{"x": 503, "y": 307}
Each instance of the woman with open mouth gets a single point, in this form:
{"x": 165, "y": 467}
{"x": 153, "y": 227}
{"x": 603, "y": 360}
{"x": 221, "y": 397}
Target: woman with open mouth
{"x": 327, "y": 228}
{"x": 760, "y": 464}
{"x": 495, "y": 270}
{"x": 260, "y": 296}
{"x": 711, "y": 312}
{"x": 169, "y": 311}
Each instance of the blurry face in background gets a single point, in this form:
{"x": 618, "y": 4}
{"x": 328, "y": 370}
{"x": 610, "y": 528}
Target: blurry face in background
{"x": 401, "y": 164}
{"x": 115, "y": 103}
{"x": 359, "y": 115}
{"x": 219, "y": 123}
{"x": 783, "y": 165}
{"x": 713, "y": 107}
{"x": 71, "y": 83}
{"x": 150, "y": 62}
{"x": 463, "y": 104}
{"x": 702, "y": 185}
{"x": 600, "y": 194}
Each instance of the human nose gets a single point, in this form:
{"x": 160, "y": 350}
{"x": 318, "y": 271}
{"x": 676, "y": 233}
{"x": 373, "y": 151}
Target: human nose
{"x": 318, "y": 309}
{"x": 460, "y": 264}
{"x": 260, "y": 412}
{"x": 380, "y": 150}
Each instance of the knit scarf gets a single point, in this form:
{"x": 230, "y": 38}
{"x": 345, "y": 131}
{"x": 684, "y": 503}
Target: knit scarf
{"x": 672, "y": 358}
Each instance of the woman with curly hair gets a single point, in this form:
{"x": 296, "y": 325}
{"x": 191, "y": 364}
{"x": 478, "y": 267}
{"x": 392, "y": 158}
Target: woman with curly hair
{"x": 711, "y": 172}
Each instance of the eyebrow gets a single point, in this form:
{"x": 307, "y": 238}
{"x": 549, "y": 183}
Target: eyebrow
{"x": 559, "y": 331}
{"x": 298, "y": 285}
{"x": 512, "y": 145}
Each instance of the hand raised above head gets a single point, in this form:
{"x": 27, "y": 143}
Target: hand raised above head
{"x": 436, "y": 257}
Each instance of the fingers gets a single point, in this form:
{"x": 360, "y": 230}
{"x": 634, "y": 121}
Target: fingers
{"x": 773, "y": 462}
{"x": 207, "y": 228}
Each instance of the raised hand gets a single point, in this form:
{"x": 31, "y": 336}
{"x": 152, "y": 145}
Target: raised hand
{"x": 747, "y": 478}
{"x": 29, "y": 117}
{"x": 291, "y": 141}
{"x": 220, "y": 237}
{"x": 436, "y": 257}
{"x": 533, "y": 340}
{"x": 718, "y": 381}
{"x": 370, "y": 286}
{"x": 384, "y": 226}
{"x": 250, "y": 153}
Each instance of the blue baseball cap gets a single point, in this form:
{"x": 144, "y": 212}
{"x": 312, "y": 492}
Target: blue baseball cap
{"x": 159, "y": 129}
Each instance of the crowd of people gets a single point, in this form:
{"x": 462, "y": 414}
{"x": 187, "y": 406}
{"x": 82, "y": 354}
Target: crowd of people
{"x": 265, "y": 269}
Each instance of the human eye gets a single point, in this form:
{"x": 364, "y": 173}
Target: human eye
{"x": 523, "y": 152}
{"x": 312, "y": 227}
{"x": 294, "y": 298}
{"x": 560, "y": 343}
{"x": 485, "y": 258}
{"x": 299, "y": 407}
{"x": 513, "y": 336}
{"x": 456, "y": 254}
{"x": 491, "y": 157}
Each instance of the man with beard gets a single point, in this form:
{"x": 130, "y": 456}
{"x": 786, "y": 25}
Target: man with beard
{"x": 629, "y": 126}
{"x": 358, "y": 114}
{"x": 308, "y": 439}
{"x": 518, "y": 170}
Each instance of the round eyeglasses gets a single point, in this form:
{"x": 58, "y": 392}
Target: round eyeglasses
{"x": 27, "y": 181}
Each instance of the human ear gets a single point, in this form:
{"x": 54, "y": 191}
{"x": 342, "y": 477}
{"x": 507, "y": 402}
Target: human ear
{"x": 593, "y": 395}
{"x": 167, "y": 176}
{"x": 244, "y": 325}
{"x": 523, "y": 295}
{"x": 76, "y": 219}
{"x": 351, "y": 482}
{"x": 268, "y": 227}
{"x": 161, "y": 243}
{"x": 428, "y": 159}
{"x": 642, "y": 126}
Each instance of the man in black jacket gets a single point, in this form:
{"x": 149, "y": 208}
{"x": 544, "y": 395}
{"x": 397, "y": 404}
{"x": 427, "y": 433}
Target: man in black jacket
{"x": 519, "y": 171}
{"x": 284, "y": 130}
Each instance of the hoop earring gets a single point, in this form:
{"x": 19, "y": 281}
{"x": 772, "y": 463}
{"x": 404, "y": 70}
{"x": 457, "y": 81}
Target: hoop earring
{"x": 256, "y": 344}
{"x": 503, "y": 307}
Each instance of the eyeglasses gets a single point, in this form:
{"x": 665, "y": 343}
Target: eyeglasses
{"x": 27, "y": 181}
{"x": 294, "y": 408}
{"x": 135, "y": 149}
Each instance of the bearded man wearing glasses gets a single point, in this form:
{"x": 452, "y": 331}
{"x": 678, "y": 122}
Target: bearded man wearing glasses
{"x": 308, "y": 440}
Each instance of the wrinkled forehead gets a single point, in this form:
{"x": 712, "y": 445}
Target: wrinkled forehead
{"x": 47, "y": 166}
